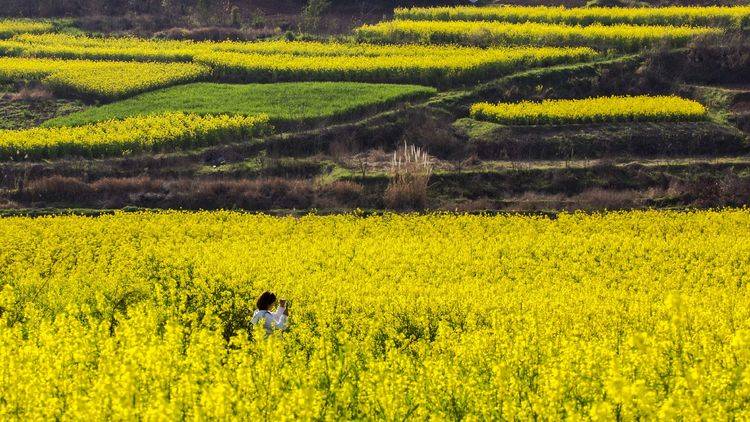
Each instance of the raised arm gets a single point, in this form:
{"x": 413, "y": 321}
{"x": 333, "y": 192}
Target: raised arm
{"x": 280, "y": 318}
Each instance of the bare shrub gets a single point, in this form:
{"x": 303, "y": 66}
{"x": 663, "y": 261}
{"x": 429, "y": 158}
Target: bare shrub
{"x": 250, "y": 194}
{"x": 718, "y": 58}
{"x": 339, "y": 150}
{"x": 434, "y": 133}
{"x": 312, "y": 15}
{"x": 341, "y": 193}
{"x": 605, "y": 199}
{"x": 213, "y": 33}
{"x": 113, "y": 192}
{"x": 6, "y": 204}
{"x": 255, "y": 194}
{"x": 711, "y": 190}
{"x": 727, "y": 189}
{"x": 113, "y": 186}
{"x": 534, "y": 201}
{"x": 56, "y": 189}
{"x": 735, "y": 190}
{"x": 410, "y": 173}
{"x": 474, "y": 205}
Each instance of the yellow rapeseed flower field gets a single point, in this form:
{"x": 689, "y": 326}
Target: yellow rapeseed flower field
{"x": 438, "y": 69}
{"x": 10, "y": 27}
{"x": 134, "y": 134}
{"x": 480, "y": 33}
{"x": 723, "y": 16}
{"x": 599, "y": 109}
{"x": 138, "y": 49}
{"x": 306, "y": 60}
{"x": 67, "y": 46}
{"x": 617, "y": 316}
{"x": 100, "y": 79}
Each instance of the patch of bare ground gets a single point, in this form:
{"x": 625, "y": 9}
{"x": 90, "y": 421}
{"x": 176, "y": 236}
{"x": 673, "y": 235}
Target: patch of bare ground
{"x": 186, "y": 193}
{"x": 740, "y": 107}
{"x": 29, "y": 106}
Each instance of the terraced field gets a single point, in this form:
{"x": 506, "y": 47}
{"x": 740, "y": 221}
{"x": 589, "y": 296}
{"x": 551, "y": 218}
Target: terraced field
{"x": 477, "y": 103}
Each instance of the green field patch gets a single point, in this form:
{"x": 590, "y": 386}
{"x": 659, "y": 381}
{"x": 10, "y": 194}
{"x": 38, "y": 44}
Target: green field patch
{"x": 284, "y": 103}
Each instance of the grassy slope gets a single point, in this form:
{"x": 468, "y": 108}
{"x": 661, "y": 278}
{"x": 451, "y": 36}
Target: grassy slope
{"x": 283, "y": 102}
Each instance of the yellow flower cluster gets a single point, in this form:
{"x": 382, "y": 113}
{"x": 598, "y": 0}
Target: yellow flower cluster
{"x": 141, "y": 133}
{"x": 430, "y": 69}
{"x": 137, "y": 49}
{"x": 620, "y": 316}
{"x": 600, "y": 109}
{"x": 100, "y": 79}
{"x": 724, "y": 16}
{"x": 295, "y": 60}
{"x": 66, "y": 46}
{"x": 10, "y": 27}
{"x": 623, "y": 37}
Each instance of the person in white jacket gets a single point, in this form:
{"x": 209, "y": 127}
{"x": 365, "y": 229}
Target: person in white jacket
{"x": 276, "y": 320}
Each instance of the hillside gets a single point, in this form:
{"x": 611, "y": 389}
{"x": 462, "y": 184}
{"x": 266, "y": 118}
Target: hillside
{"x": 332, "y": 132}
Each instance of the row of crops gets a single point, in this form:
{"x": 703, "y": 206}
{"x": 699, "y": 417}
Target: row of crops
{"x": 10, "y": 27}
{"x": 619, "y": 37}
{"x": 618, "y": 316}
{"x": 64, "y": 46}
{"x": 196, "y": 115}
{"x": 591, "y": 110}
{"x": 438, "y": 69}
{"x": 441, "y": 65}
{"x": 99, "y": 79}
{"x": 133, "y": 134}
{"x": 621, "y": 29}
{"x": 178, "y": 130}
{"x": 719, "y": 16}
{"x": 256, "y": 62}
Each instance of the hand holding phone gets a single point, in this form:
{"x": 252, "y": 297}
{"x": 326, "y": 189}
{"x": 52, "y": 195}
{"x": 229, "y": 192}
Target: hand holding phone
{"x": 282, "y": 303}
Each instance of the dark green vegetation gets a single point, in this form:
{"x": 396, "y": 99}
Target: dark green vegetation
{"x": 285, "y": 103}
{"x": 490, "y": 141}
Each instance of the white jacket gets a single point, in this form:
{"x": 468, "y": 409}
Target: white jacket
{"x": 272, "y": 320}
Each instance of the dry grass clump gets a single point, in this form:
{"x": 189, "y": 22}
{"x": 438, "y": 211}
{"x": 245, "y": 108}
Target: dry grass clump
{"x": 411, "y": 168}
{"x": 340, "y": 194}
{"x": 31, "y": 94}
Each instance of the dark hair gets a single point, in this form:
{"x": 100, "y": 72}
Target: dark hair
{"x": 265, "y": 301}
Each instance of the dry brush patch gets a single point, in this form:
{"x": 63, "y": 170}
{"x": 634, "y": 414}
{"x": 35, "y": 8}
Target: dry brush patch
{"x": 410, "y": 171}
{"x": 261, "y": 194}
